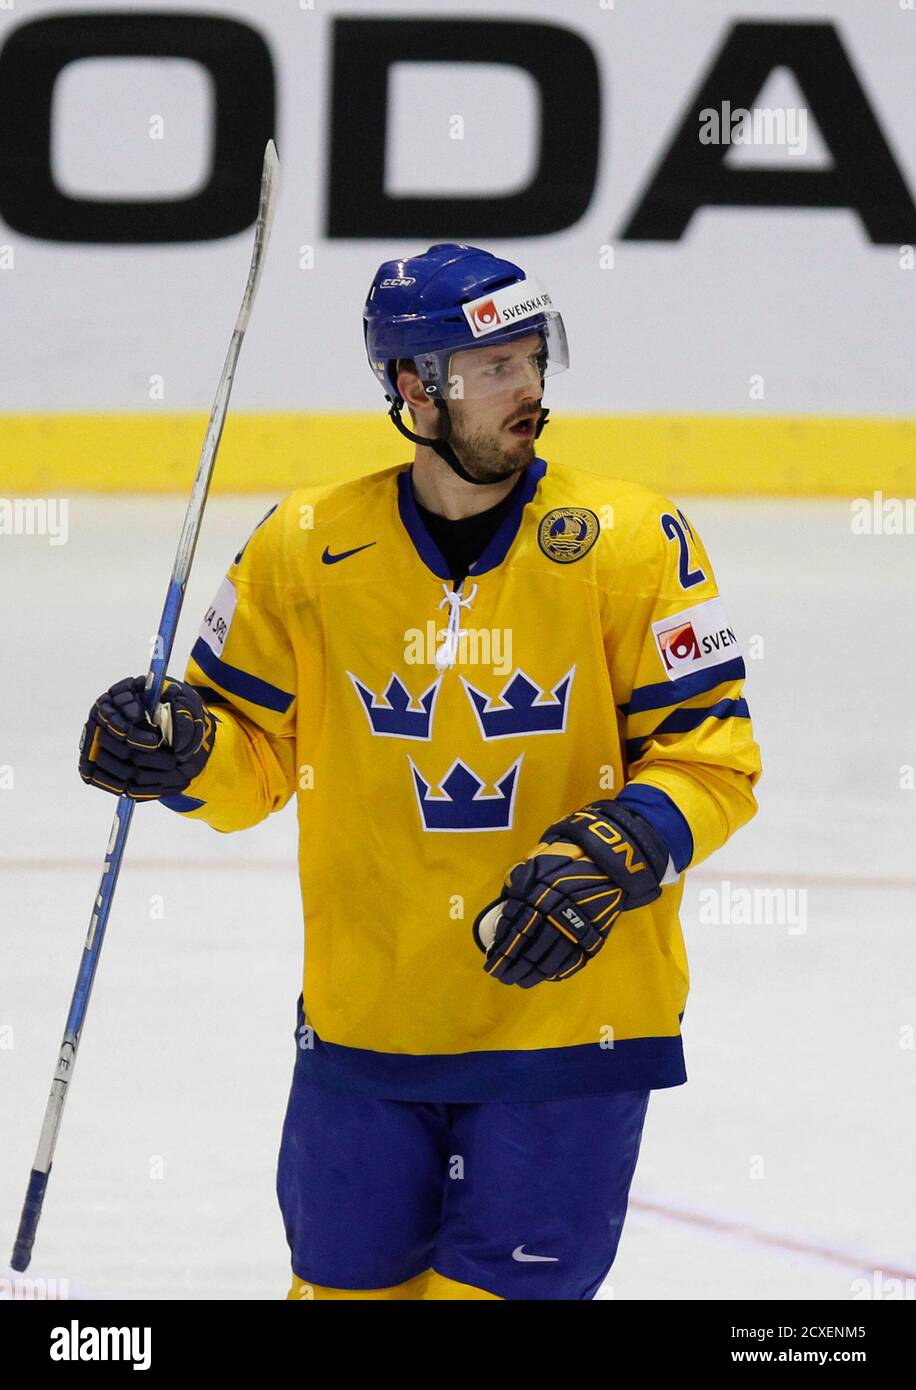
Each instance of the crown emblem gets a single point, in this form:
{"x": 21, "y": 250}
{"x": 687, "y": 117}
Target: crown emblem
{"x": 395, "y": 714}
{"x": 520, "y": 707}
{"x": 460, "y": 802}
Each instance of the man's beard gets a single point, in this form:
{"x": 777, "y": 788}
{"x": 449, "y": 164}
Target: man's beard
{"x": 486, "y": 459}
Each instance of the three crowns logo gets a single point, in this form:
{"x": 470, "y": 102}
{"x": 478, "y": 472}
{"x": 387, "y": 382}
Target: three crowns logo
{"x": 459, "y": 801}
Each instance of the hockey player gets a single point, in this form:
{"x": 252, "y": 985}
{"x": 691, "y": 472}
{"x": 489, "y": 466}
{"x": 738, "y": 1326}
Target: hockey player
{"x": 507, "y": 698}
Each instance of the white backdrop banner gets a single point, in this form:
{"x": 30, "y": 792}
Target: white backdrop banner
{"x": 719, "y": 196}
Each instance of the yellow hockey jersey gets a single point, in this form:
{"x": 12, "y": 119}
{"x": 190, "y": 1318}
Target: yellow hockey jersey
{"x": 430, "y": 736}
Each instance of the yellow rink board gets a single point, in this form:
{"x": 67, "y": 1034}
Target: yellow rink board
{"x": 801, "y": 456}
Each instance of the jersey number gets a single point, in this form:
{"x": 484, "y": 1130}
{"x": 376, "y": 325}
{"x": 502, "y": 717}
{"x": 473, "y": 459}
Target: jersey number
{"x": 676, "y": 530}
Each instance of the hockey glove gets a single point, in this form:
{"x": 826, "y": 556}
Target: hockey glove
{"x": 122, "y": 752}
{"x": 558, "y": 905}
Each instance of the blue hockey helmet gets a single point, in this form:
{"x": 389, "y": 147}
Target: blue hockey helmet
{"x": 449, "y": 299}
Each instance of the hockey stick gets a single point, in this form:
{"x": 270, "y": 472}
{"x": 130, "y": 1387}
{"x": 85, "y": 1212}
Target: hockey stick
{"x": 41, "y": 1170}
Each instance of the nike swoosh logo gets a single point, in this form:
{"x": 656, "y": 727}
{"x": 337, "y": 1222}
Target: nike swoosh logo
{"x": 519, "y": 1254}
{"x": 329, "y": 559}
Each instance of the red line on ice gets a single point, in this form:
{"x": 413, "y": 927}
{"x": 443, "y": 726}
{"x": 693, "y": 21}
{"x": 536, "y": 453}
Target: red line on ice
{"x": 787, "y": 1243}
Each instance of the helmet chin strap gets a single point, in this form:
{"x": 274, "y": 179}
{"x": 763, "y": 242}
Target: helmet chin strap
{"x": 442, "y": 446}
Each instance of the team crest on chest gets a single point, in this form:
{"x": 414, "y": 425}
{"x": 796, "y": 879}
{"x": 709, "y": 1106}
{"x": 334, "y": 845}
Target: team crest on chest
{"x": 568, "y": 533}
{"x": 390, "y": 715}
{"x": 460, "y": 802}
{"x": 520, "y": 707}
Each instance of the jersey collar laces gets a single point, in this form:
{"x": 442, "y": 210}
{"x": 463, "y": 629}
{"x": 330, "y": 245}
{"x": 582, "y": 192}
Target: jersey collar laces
{"x": 447, "y": 654}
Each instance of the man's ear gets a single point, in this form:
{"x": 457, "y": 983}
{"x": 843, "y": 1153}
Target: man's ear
{"x": 411, "y": 388}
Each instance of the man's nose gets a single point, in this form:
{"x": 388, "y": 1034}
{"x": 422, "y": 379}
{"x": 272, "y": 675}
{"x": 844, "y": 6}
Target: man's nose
{"x": 531, "y": 383}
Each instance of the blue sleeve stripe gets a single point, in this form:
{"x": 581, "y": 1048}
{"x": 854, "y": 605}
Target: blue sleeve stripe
{"x": 666, "y": 693}
{"x": 181, "y": 803}
{"x": 663, "y": 815}
{"x": 682, "y": 721}
{"x": 250, "y": 688}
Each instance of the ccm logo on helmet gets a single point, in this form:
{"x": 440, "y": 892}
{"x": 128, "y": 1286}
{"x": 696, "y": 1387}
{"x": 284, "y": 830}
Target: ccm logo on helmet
{"x": 397, "y": 282}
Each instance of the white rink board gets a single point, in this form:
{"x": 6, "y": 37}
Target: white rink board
{"x": 801, "y": 298}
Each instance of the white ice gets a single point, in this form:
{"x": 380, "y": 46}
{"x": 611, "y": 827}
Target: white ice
{"x": 783, "y": 1169}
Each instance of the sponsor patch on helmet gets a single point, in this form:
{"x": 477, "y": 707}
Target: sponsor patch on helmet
{"x": 695, "y": 638}
{"x": 568, "y": 533}
{"x": 510, "y": 305}
{"x": 396, "y": 282}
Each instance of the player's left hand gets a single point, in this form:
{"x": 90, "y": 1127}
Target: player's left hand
{"x": 558, "y": 905}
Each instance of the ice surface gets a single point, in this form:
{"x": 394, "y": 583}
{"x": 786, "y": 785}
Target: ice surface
{"x": 784, "y": 1169}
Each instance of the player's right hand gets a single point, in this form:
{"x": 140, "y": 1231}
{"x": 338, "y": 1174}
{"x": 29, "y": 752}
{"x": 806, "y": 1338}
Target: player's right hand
{"x": 559, "y": 904}
{"x": 122, "y": 752}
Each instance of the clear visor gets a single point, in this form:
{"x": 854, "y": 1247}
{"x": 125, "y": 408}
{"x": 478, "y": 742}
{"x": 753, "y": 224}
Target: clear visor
{"x": 488, "y": 369}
